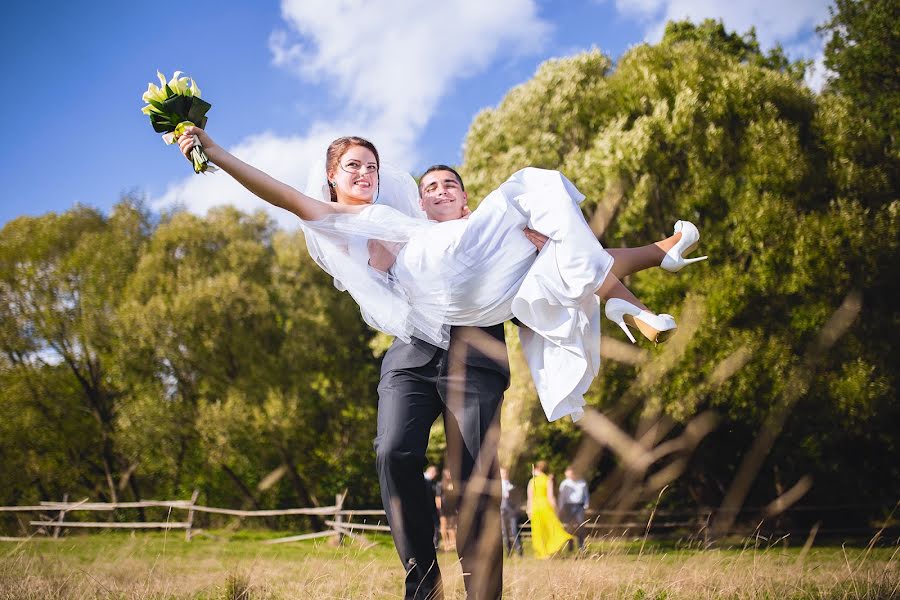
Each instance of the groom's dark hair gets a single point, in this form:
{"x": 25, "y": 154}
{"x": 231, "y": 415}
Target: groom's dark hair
{"x": 442, "y": 168}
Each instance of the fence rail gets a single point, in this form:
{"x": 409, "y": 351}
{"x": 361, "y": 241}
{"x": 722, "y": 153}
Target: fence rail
{"x": 341, "y": 523}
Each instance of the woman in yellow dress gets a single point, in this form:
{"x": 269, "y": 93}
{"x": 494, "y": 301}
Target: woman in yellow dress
{"x": 548, "y": 536}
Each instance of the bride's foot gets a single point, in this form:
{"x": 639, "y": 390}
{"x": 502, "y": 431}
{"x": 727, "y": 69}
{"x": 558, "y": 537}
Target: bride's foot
{"x": 675, "y": 260}
{"x": 656, "y": 328}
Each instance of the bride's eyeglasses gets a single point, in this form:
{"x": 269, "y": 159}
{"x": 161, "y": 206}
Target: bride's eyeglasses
{"x": 355, "y": 168}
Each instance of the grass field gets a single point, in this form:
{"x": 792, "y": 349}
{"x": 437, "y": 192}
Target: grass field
{"x": 237, "y": 566}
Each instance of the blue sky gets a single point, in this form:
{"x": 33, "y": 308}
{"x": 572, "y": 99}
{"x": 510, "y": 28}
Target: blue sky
{"x": 285, "y": 78}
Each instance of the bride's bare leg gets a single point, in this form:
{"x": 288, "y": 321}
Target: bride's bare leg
{"x": 632, "y": 260}
{"x": 656, "y": 328}
{"x": 613, "y": 288}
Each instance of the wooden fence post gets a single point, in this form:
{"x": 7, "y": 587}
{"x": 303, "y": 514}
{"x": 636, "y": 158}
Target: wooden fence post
{"x": 190, "y": 515}
{"x": 338, "y": 517}
{"x": 62, "y": 517}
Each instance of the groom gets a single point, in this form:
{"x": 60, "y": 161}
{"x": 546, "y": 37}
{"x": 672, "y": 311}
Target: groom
{"x": 464, "y": 385}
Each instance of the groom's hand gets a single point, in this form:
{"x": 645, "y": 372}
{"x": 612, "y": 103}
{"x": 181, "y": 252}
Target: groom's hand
{"x": 538, "y": 239}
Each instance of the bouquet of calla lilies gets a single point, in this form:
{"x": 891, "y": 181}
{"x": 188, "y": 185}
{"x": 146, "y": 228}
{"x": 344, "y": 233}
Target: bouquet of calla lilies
{"x": 174, "y": 105}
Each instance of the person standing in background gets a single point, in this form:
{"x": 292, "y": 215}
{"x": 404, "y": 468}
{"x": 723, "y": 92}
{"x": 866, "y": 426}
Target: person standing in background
{"x": 448, "y": 496}
{"x": 574, "y": 499}
{"x": 431, "y": 486}
{"x": 509, "y": 516}
{"x": 548, "y": 536}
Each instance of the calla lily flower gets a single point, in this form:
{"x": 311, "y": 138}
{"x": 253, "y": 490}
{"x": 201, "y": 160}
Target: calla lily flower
{"x": 154, "y": 93}
{"x": 172, "y": 106}
{"x": 179, "y": 84}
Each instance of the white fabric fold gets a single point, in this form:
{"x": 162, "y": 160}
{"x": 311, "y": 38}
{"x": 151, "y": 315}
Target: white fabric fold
{"x": 556, "y": 299}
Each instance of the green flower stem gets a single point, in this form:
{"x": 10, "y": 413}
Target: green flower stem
{"x": 198, "y": 156}
{"x": 201, "y": 161}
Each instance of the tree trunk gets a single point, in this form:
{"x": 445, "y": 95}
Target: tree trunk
{"x": 300, "y": 488}
{"x": 249, "y": 498}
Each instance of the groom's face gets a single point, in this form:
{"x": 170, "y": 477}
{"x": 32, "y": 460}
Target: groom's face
{"x": 442, "y": 196}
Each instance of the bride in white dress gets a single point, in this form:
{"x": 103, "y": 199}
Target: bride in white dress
{"x": 414, "y": 276}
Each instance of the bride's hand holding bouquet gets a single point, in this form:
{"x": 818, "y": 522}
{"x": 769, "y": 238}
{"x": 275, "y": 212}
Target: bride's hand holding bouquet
{"x": 193, "y": 136}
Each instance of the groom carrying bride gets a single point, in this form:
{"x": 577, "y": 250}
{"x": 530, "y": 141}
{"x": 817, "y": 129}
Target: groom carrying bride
{"x": 412, "y": 277}
{"x": 465, "y": 385}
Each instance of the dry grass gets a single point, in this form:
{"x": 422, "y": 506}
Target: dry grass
{"x": 153, "y": 566}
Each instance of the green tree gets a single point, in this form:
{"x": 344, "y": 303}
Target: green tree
{"x": 197, "y": 317}
{"x": 793, "y": 214}
{"x": 863, "y": 37}
{"x": 744, "y": 47}
{"x": 61, "y": 280}
{"x": 253, "y": 365}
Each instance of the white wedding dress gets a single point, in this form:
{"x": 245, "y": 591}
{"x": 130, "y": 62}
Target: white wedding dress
{"x": 482, "y": 271}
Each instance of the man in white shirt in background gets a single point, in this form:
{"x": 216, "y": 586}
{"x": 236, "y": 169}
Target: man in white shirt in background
{"x": 574, "y": 498}
{"x": 431, "y": 486}
{"x": 509, "y": 516}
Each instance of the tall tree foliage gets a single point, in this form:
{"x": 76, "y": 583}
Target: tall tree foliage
{"x": 145, "y": 359}
{"x": 61, "y": 281}
{"x": 863, "y": 37}
{"x": 861, "y": 49}
{"x": 794, "y": 215}
{"x": 266, "y": 364}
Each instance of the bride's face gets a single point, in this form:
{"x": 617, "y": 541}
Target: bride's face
{"x": 356, "y": 176}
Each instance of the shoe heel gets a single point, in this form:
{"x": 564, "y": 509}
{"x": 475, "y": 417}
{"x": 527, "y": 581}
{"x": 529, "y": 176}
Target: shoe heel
{"x": 627, "y": 331}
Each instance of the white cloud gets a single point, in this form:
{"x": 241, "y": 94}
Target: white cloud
{"x": 818, "y": 75}
{"x": 642, "y": 9}
{"x": 393, "y": 61}
{"x": 386, "y": 65}
{"x": 775, "y": 20}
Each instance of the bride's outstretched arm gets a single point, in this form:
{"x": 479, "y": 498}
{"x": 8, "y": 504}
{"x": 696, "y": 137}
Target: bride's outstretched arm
{"x": 259, "y": 183}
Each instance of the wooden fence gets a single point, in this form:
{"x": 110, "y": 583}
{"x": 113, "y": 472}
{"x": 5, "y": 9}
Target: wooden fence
{"x": 53, "y": 518}
{"x": 340, "y": 522}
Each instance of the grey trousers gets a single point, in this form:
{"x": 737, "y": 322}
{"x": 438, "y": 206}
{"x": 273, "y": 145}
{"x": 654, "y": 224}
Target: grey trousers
{"x": 572, "y": 516}
{"x": 512, "y": 536}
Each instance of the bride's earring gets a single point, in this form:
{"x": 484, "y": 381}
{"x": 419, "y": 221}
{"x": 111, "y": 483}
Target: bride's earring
{"x": 332, "y": 183}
